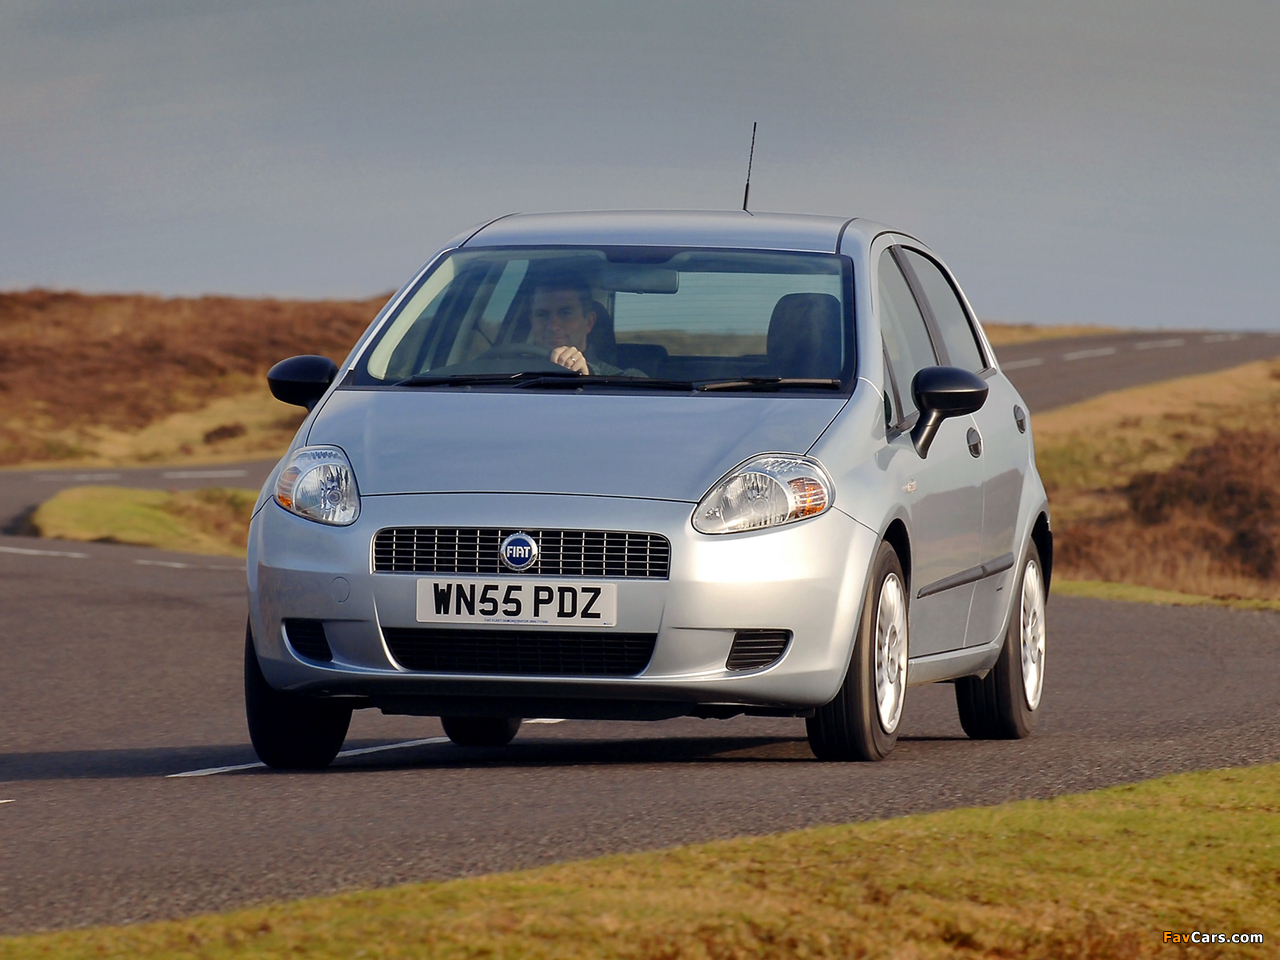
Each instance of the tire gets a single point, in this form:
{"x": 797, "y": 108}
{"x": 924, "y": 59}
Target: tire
{"x": 290, "y": 731}
{"x": 862, "y": 722}
{"x": 1005, "y": 703}
{"x": 481, "y": 731}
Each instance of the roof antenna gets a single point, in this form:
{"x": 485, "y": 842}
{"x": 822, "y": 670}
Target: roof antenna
{"x": 750, "y": 157}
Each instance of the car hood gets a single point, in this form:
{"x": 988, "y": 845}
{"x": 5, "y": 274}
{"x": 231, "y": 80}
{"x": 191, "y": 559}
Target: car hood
{"x": 520, "y": 441}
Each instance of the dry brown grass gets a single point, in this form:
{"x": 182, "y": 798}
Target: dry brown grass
{"x": 1174, "y": 486}
{"x": 1004, "y": 334}
{"x": 75, "y": 368}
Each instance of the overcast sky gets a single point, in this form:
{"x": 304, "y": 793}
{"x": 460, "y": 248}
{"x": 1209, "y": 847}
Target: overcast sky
{"x": 1108, "y": 162}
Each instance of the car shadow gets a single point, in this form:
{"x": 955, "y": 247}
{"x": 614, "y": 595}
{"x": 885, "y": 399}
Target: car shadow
{"x": 145, "y": 762}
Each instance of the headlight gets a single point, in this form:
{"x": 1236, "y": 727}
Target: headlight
{"x": 319, "y": 484}
{"x": 764, "y": 492}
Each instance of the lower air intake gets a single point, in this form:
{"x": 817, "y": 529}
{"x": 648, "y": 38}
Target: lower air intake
{"x": 754, "y": 649}
{"x": 307, "y": 639}
{"x": 521, "y": 652}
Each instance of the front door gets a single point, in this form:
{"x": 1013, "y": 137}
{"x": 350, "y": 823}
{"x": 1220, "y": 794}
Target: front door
{"x": 943, "y": 492}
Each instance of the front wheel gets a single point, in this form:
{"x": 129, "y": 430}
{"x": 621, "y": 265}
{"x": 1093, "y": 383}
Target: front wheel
{"x": 290, "y": 731}
{"x": 1005, "y": 703}
{"x": 861, "y": 723}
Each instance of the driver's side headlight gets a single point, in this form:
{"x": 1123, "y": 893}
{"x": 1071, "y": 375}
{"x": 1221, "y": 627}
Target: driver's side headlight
{"x": 319, "y": 484}
{"x": 766, "y": 491}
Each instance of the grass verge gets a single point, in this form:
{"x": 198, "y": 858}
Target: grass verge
{"x": 1134, "y": 593}
{"x": 1100, "y": 875}
{"x": 214, "y": 520}
{"x": 1004, "y": 334}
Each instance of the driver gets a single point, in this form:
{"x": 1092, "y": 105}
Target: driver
{"x": 560, "y": 318}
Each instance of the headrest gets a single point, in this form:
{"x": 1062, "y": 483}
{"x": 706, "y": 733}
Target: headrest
{"x": 602, "y": 344}
{"x": 804, "y": 336}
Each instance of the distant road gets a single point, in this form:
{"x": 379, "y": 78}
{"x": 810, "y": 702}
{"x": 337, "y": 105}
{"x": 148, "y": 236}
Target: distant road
{"x": 1054, "y": 373}
{"x": 23, "y": 490}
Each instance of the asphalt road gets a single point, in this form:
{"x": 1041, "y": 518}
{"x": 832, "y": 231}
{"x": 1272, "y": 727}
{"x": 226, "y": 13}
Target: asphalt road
{"x": 122, "y": 668}
{"x": 1053, "y": 373}
{"x": 120, "y": 672}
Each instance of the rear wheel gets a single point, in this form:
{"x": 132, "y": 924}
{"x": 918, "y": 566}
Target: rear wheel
{"x": 1004, "y": 704}
{"x": 290, "y": 731}
{"x": 481, "y": 731}
{"x": 861, "y": 723}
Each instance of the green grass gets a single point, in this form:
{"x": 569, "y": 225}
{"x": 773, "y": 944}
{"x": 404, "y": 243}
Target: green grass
{"x": 214, "y": 520}
{"x": 1099, "y": 875}
{"x": 1132, "y": 593}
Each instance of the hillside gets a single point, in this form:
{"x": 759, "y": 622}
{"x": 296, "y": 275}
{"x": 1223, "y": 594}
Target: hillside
{"x": 79, "y": 371}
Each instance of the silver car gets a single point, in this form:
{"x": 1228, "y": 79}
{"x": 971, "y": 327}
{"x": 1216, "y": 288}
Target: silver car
{"x": 650, "y": 465}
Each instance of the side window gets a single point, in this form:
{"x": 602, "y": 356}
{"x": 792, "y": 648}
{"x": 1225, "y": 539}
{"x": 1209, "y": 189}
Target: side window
{"x": 948, "y": 313}
{"x": 906, "y": 339}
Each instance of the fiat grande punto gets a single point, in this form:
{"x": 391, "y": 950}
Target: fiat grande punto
{"x": 650, "y": 465}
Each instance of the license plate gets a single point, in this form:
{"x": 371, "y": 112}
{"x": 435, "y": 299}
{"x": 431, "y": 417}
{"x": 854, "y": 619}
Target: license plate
{"x": 499, "y": 601}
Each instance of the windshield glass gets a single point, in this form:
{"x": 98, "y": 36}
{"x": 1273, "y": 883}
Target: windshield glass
{"x": 627, "y": 314}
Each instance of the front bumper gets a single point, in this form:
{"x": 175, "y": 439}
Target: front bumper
{"x": 808, "y": 578}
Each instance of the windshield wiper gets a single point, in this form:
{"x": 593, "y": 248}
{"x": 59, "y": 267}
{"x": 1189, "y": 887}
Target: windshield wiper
{"x": 474, "y": 379}
{"x": 769, "y": 383}
{"x": 558, "y": 382}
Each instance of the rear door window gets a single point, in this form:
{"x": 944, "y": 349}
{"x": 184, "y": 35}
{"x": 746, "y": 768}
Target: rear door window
{"x": 948, "y": 313}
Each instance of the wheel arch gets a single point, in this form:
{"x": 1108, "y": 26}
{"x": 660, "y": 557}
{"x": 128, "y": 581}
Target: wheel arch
{"x": 1042, "y": 536}
{"x": 897, "y": 537}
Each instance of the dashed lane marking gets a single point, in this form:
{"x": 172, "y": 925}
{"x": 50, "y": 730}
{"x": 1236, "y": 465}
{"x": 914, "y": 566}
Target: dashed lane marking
{"x": 76, "y": 477}
{"x": 1160, "y": 344}
{"x": 1221, "y": 337}
{"x": 545, "y": 720}
{"x": 44, "y": 553}
{"x": 356, "y": 752}
{"x": 202, "y": 474}
{"x": 1086, "y": 354}
{"x": 1020, "y": 364}
{"x": 175, "y": 565}
{"x": 6, "y": 801}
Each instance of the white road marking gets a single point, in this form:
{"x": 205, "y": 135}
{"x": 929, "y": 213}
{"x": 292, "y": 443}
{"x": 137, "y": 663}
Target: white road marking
{"x": 1086, "y": 354}
{"x": 185, "y": 566}
{"x": 545, "y": 720}
{"x": 1160, "y": 344}
{"x": 356, "y": 752}
{"x": 1020, "y": 364}
{"x": 6, "y": 801}
{"x": 76, "y": 477}
{"x": 44, "y": 553}
{"x": 202, "y": 474}
{"x": 1221, "y": 337}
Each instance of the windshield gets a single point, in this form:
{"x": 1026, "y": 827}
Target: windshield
{"x": 620, "y": 316}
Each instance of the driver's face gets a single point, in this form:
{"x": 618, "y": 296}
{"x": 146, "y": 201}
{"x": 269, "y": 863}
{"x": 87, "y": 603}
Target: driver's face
{"x": 557, "y": 319}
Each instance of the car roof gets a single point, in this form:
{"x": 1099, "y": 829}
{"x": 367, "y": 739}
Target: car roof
{"x": 732, "y": 229}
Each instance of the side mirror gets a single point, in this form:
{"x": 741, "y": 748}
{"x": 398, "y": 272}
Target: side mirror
{"x": 942, "y": 392}
{"x": 301, "y": 380}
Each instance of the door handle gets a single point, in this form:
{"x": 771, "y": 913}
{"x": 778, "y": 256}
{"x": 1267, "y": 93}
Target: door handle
{"x": 974, "y": 439}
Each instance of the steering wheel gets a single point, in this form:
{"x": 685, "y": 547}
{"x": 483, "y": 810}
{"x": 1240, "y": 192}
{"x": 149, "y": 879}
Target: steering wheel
{"x": 517, "y": 351}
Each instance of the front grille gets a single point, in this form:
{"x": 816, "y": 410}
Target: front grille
{"x": 308, "y": 639}
{"x": 561, "y": 553}
{"x": 521, "y": 652}
{"x": 753, "y": 649}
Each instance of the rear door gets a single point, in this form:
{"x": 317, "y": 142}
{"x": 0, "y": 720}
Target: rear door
{"x": 942, "y": 493}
